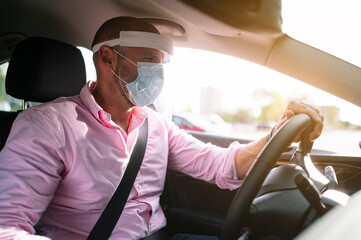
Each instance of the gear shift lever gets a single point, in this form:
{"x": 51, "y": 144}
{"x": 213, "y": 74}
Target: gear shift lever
{"x": 331, "y": 176}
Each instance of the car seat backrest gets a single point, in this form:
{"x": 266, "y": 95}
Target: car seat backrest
{"x": 41, "y": 70}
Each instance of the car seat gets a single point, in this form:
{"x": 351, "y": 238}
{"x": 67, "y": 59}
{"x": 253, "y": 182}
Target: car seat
{"x": 41, "y": 70}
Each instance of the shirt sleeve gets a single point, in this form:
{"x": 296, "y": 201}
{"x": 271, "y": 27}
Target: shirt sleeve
{"x": 30, "y": 170}
{"x": 202, "y": 161}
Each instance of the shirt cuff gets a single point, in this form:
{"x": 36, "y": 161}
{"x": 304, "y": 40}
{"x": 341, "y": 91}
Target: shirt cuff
{"x": 228, "y": 178}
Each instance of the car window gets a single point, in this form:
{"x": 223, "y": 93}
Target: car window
{"x": 89, "y": 65}
{"x": 219, "y": 94}
{"x": 7, "y": 103}
{"x": 250, "y": 98}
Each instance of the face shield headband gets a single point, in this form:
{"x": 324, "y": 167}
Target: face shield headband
{"x": 140, "y": 39}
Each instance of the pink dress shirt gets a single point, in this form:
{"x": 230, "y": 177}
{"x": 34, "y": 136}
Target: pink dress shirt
{"x": 63, "y": 161}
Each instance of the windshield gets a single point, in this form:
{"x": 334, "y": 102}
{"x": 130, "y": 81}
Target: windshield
{"x": 329, "y": 25}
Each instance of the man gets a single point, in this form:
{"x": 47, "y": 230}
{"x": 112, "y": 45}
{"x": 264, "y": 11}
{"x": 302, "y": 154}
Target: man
{"x": 64, "y": 159}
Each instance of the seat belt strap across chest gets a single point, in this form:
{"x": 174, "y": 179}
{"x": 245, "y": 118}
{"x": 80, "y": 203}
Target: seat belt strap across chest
{"x": 109, "y": 218}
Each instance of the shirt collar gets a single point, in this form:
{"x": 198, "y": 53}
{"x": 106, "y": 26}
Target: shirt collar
{"x": 137, "y": 116}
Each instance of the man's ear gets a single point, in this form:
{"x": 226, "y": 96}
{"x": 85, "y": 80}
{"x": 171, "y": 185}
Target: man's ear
{"x": 107, "y": 58}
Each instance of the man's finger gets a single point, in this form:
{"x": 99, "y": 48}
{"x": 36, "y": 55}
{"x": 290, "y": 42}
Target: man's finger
{"x": 316, "y": 131}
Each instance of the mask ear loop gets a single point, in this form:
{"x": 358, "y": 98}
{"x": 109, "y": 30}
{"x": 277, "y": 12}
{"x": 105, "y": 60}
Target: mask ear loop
{"x": 124, "y": 57}
{"x": 128, "y": 95}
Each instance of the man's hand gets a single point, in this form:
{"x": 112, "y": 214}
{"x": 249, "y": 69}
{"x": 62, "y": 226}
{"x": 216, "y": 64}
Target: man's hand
{"x": 248, "y": 153}
{"x": 294, "y": 108}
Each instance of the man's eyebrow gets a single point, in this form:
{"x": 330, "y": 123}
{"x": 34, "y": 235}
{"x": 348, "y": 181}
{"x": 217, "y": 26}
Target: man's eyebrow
{"x": 153, "y": 57}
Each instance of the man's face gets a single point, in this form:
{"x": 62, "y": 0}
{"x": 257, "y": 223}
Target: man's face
{"x": 127, "y": 66}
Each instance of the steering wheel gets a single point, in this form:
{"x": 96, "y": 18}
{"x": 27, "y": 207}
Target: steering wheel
{"x": 266, "y": 160}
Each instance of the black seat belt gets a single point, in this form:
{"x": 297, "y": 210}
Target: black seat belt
{"x": 109, "y": 218}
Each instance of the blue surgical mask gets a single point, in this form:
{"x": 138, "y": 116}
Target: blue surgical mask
{"x": 148, "y": 85}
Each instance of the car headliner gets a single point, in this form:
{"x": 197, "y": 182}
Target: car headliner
{"x": 239, "y": 28}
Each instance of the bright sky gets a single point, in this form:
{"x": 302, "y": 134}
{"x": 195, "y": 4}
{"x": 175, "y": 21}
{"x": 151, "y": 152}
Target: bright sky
{"x": 329, "y": 29}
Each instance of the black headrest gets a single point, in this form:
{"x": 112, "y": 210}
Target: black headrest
{"x": 42, "y": 69}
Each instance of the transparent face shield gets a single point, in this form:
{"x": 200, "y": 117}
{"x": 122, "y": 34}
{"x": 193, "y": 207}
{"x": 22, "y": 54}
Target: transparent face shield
{"x": 148, "y": 85}
{"x": 140, "y": 39}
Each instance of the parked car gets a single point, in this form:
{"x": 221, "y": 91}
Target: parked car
{"x": 189, "y": 124}
{"x": 281, "y": 200}
{"x": 209, "y": 123}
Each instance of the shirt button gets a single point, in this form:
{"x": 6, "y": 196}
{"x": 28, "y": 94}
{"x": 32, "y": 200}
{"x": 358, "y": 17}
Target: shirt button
{"x": 139, "y": 187}
{"x": 105, "y": 116}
